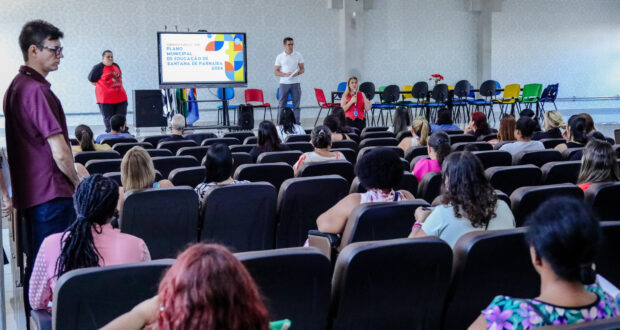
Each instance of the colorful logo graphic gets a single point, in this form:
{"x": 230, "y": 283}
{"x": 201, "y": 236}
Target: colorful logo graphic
{"x": 234, "y": 49}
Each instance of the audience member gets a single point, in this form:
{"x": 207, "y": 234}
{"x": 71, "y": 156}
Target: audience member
{"x": 138, "y": 173}
{"x": 219, "y": 166}
{"x": 468, "y": 203}
{"x": 553, "y": 125}
{"x": 527, "y": 112}
{"x": 402, "y": 121}
{"x": 322, "y": 143}
{"x": 207, "y": 288}
{"x": 287, "y": 125}
{"x": 478, "y": 126}
{"x": 444, "y": 121}
{"x": 355, "y": 104}
{"x": 84, "y": 135}
{"x": 575, "y": 133}
{"x": 89, "y": 242}
{"x": 380, "y": 172}
{"x": 332, "y": 122}
{"x": 419, "y": 135}
{"x": 268, "y": 140}
{"x": 523, "y": 132}
{"x": 118, "y": 129}
{"x": 598, "y": 164}
{"x": 506, "y": 131}
{"x": 564, "y": 240}
{"x": 589, "y": 122}
{"x": 177, "y": 125}
{"x": 342, "y": 121}
{"x": 438, "y": 149}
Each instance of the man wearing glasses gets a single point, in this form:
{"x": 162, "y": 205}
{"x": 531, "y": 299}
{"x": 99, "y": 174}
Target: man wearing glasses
{"x": 43, "y": 175}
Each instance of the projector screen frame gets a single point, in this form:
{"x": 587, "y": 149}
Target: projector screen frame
{"x": 199, "y": 84}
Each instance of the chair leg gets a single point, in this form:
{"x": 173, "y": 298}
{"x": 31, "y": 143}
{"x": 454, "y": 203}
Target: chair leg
{"x": 318, "y": 116}
{"x": 270, "y": 113}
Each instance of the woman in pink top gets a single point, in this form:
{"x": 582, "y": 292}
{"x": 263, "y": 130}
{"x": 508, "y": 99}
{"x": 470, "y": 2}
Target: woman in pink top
{"x": 89, "y": 242}
{"x": 438, "y": 149}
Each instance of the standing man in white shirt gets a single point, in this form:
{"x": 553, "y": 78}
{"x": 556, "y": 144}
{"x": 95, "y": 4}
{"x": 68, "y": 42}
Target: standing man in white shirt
{"x": 289, "y": 65}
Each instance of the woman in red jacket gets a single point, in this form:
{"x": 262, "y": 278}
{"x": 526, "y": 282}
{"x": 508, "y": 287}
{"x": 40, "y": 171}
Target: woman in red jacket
{"x": 108, "y": 81}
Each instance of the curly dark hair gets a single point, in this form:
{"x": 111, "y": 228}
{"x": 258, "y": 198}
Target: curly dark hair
{"x": 379, "y": 168}
{"x": 467, "y": 189}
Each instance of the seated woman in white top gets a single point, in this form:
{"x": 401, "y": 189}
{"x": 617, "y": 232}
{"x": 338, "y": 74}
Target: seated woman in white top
{"x": 322, "y": 142}
{"x": 287, "y": 125}
{"x": 90, "y": 241}
{"x": 419, "y": 135}
{"x": 468, "y": 203}
{"x": 379, "y": 171}
{"x": 523, "y": 133}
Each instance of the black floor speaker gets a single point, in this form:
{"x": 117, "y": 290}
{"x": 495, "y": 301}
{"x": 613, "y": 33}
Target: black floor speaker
{"x": 245, "y": 115}
{"x": 149, "y": 110}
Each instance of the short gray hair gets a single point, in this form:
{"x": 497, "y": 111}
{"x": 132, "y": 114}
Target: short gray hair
{"x": 178, "y": 122}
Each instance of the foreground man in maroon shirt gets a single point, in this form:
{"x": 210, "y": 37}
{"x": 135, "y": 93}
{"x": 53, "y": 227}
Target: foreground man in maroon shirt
{"x": 39, "y": 154}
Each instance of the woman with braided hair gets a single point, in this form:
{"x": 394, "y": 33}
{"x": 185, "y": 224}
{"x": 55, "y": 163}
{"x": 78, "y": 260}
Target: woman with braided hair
{"x": 90, "y": 241}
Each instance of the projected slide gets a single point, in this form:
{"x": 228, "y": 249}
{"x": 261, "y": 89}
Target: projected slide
{"x": 202, "y": 58}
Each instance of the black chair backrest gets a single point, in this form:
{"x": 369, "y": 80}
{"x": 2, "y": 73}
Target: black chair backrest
{"x": 250, "y": 140}
{"x": 304, "y": 297}
{"x": 116, "y": 177}
{"x": 368, "y": 89}
{"x": 301, "y": 201}
{"x": 301, "y": 146}
{"x": 376, "y": 142}
{"x": 501, "y": 196}
{"x": 239, "y": 135}
{"x": 349, "y": 154}
{"x": 240, "y": 147}
{"x": 488, "y": 88}
{"x": 188, "y": 176}
{"x": 509, "y": 178}
{"x": 498, "y": 145}
{"x": 298, "y": 138}
{"x": 274, "y": 173}
{"x": 420, "y": 90}
{"x": 355, "y": 137}
{"x": 364, "y": 150}
{"x": 604, "y": 199}
{"x": 440, "y": 93}
{"x": 607, "y": 260}
{"x": 390, "y": 94}
{"x": 560, "y": 172}
{"x": 159, "y": 152}
{"x": 165, "y": 165}
{"x": 345, "y": 144}
{"x": 114, "y": 140}
{"x": 199, "y": 137}
{"x": 415, "y": 151}
{"x": 248, "y": 228}
{"x": 551, "y": 143}
{"x": 487, "y": 263}
{"x": 461, "y": 89}
{"x": 373, "y": 286}
{"x": 83, "y": 299}
{"x": 492, "y": 158}
{"x": 103, "y": 166}
{"x": 376, "y": 134}
{"x": 572, "y": 153}
{"x": 154, "y": 139}
{"x": 122, "y": 148}
{"x": 379, "y": 221}
{"x": 430, "y": 186}
{"x": 289, "y": 157}
{"x": 538, "y": 158}
{"x": 409, "y": 182}
{"x": 456, "y": 138}
{"x": 198, "y": 152}
{"x": 240, "y": 158}
{"x": 84, "y": 156}
{"x": 227, "y": 141}
{"x": 452, "y": 131}
{"x": 481, "y": 146}
{"x": 617, "y": 148}
{"x": 402, "y": 135}
{"x": 174, "y": 146}
{"x": 374, "y": 129}
{"x": 165, "y": 218}
{"x": 525, "y": 200}
{"x": 338, "y": 167}
{"x": 489, "y": 137}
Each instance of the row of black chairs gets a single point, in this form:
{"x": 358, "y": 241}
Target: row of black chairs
{"x": 395, "y": 284}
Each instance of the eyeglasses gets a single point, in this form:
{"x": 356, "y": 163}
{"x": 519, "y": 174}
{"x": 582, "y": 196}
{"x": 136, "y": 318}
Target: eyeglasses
{"x": 55, "y": 49}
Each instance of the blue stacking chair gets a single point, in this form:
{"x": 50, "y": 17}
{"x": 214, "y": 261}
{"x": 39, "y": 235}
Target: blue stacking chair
{"x": 488, "y": 90}
{"x": 227, "y": 93}
{"x": 419, "y": 92}
{"x": 439, "y": 96}
{"x": 460, "y": 101}
{"x": 549, "y": 94}
{"x": 342, "y": 86}
{"x": 389, "y": 97}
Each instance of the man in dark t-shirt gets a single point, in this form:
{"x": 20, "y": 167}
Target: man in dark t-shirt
{"x": 43, "y": 175}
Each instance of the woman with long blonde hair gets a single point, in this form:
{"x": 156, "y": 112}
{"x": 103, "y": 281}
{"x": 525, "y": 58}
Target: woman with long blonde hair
{"x": 553, "y": 125}
{"x": 419, "y": 134}
{"x": 354, "y": 104}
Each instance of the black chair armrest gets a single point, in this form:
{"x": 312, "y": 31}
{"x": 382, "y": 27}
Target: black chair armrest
{"x": 40, "y": 320}
{"x": 334, "y": 239}
{"x": 325, "y": 242}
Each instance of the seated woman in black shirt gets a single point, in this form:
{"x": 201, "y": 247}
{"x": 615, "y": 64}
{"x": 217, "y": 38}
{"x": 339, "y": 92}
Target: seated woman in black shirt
{"x": 268, "y": 140}
{"x": 553, "y": 125}
{"x": 575, "y": 134}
